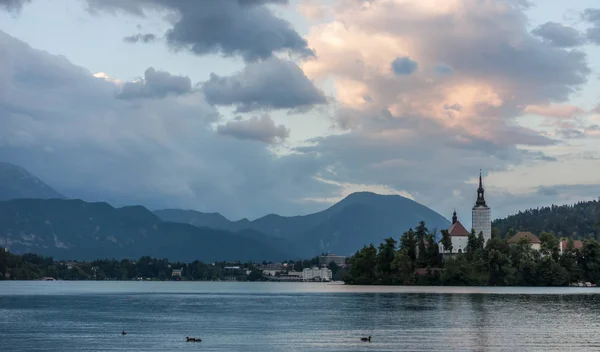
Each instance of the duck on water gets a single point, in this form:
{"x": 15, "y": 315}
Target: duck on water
{"x": 366, "y": 339}
{"x": 191, "y": 339}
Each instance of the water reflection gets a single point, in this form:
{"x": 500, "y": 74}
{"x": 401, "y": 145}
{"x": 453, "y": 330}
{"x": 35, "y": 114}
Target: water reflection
{"x": 480, "y": 325}
{"x": 267, "y": 319}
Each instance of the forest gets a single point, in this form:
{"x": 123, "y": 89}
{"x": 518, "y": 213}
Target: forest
{"x": 416, "y": 260}
{"x": 580, "y": 220}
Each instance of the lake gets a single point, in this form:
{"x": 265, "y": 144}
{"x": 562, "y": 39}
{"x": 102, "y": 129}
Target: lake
{"x": 229, "y": 316}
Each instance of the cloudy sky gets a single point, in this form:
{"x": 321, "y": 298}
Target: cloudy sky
{"x": 250, "y": 107}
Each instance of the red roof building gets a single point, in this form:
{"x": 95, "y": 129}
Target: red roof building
{"x": 562, "y": 245}
{"x": 531, "y": 238}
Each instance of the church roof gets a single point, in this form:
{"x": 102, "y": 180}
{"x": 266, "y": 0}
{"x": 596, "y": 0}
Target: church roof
{"x": 457, "y": 229}
{"x": 531, "y": 237}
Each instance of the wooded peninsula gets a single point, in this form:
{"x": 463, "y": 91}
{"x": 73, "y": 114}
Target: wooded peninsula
{"x": 417, "y": 260}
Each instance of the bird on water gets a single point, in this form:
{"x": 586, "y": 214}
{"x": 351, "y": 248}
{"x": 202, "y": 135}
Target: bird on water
{"x": 366, "y": 339}
{"x": 123, "y": 333}
{"x": 191, "y": 339}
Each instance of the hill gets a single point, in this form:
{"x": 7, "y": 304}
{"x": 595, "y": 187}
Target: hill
{"x": 74, "y": 229}
{"x": 359, "y": 219}
{"x": 16, "y": 182}
{"x": 580, "y": 220}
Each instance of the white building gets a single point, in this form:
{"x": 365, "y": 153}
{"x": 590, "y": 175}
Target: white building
{"x": 316, "y": 274}
{"x": 459, "y": 235}
{"x": 482, "y": 217}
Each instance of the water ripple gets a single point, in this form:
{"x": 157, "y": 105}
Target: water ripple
{"x": 293, "y": 317}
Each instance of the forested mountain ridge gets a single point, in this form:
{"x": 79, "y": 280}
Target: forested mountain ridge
{"x": 580, "y": 220}
{"x": 74, "y": 229}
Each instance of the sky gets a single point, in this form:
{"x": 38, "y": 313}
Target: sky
{"x": 251, "y": 107}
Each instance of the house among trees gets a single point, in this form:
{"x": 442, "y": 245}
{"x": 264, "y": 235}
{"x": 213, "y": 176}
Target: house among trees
{"x": 526, "y": 236}
{"x": 176, "y": 273}
{"x": 564, "y": 245}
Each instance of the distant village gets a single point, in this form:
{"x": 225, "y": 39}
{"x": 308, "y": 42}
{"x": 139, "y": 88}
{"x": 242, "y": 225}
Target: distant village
{"x": 319, "y": 270}
{"x": 322, "y": 272}
{"x": 282, "y": 272}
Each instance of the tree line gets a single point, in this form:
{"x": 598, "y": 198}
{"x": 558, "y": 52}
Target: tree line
{"x": 32, "y": 267}
{"x": 579, "y": 220}
{"x": 416, "y": 259}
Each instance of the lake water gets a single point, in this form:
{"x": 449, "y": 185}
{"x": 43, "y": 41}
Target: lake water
{"x": 89, "y": 316}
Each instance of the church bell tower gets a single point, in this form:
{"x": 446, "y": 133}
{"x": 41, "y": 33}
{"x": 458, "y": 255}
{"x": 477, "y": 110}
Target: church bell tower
{"x": 482, "y": 217}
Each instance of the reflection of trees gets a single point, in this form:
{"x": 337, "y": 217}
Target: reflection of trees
{"x": 480, "y": 321}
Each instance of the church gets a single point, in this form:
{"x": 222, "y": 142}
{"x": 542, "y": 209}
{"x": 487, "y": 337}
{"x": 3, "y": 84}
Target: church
{"x": 482, "y": 222}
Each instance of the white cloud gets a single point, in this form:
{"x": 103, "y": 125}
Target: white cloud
{"x": 345, "y": 189}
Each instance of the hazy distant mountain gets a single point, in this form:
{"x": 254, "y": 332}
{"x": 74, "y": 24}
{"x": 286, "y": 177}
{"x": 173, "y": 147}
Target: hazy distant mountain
{"x": 359, "y": 219}
{"x": 196, "y": 218}
{"x": 16, "y": 182}
{"x": 74, "y": 229}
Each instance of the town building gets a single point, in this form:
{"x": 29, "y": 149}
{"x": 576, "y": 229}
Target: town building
{"x": 530, "y": 237}
{"x": 270, "y": 272}
{"x": 316, "y": 274}
{"x": 482, "y": 216}
{"x": 176, "y": 272}
{"x": 325, "y": 260}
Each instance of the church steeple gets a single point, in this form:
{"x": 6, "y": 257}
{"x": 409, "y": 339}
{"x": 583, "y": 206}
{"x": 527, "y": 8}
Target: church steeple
{"x": 454, "y": 218}
{"x": 480, "y": 191}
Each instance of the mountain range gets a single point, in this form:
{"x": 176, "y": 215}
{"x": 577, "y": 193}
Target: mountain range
{"x": 357, "y": 220}
{"x": 74, "y": 229}
{"x": 35, "y": 218}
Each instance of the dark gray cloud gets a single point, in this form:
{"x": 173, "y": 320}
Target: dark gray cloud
{"x": 404, "y": 66}
{"x": 13, "y": 5}
{"x": 592, "y": 16}
{"x": 155, "y": 84}
{"x": 261, "y": 129}
{"x": 155, "y": 152}
{"x": 144, "y": 38}
{"x": 247, "y": 28}
{"x": 268, "y": 84}
{"x": 547, "y": 191}
{"x": 559, "y": 35}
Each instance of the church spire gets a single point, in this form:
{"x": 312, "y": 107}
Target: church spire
{"x": 480, "y": 191}
{"x": 454, "y": 218}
